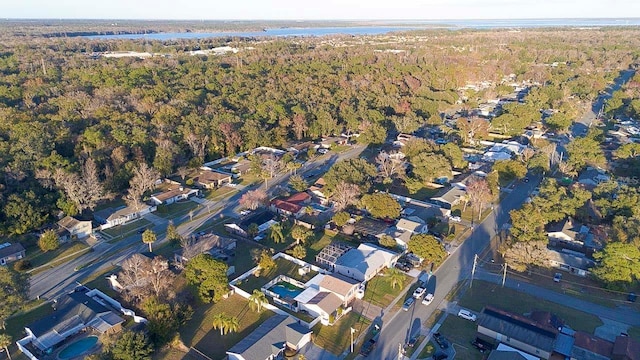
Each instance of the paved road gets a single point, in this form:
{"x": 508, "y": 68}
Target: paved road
{"x": 456, "y": 268}
{"x": 53, "y": 282}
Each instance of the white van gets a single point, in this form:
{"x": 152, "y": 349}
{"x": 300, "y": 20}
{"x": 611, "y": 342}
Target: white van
{"x": 466, "y": 314}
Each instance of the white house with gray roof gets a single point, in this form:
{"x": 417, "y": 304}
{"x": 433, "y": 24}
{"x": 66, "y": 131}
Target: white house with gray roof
{"x": 269, "y": 340}
{"x": 365, "y": 262}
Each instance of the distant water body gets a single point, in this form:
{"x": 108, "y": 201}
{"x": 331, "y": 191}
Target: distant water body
{"x": 378, "y": 30}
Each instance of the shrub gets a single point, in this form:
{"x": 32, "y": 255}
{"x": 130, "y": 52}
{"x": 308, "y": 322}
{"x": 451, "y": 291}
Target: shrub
{"x": 22, "y": 265}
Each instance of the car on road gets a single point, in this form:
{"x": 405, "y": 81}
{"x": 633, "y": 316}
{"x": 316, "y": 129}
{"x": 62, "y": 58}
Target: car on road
{"x": 142, "y": 230}
{"x": 419, "y": 292}
{"x": 245, "y": 212}
{"x": 632, "y": 297}
{"x": 526, "y": 180}
{"x": 440, "y": 356}
{"x": 466, "y": 314}
{"x": 407, "y": 304}
{"x": 455, "y": 218}
{"x": 366, "y": 348}
{"x": 427, "y": 299}
{"x": 557, "y": 277}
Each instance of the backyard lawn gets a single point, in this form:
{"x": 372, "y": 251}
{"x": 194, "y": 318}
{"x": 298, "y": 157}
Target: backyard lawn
{"x": 336, "y": 338}
{"x": 379, "y": 291}
{"x": 484, "y": 293}
{"x": 283, "y": 267}
{"x": 199, "y": 332}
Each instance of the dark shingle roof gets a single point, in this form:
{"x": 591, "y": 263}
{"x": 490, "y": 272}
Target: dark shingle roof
{"x": 10, "y": 250}
{"x": 518, "y": 327}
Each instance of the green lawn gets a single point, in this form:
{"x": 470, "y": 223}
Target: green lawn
{"x": 219, "y": 192}
{"x": 336, "y": 338}
{"x": 39, "y": 258}
{"x": 176, "y": 209}
{"x": 427, "y": 351}
{"x": 316, "y": 245}
{"x": 243, "y": 261}
{"x": 484, "y": 293}
{"x": 379, "y": 291}
{"x": 460, "y": 333}
{"x": 123, "y": 230}
{"x": 15, "y": 324}
{"x": 199, "y": 332}
{"x": 634, "y": 332}
{"x": 283, "y": 267}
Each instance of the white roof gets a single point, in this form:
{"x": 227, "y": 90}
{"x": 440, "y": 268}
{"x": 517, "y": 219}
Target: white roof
{"x": 495, "y": 156}
{"x": 308, "y": 294}
{"x": 408, "y": 225}
{"x": 315, "y": 281}
{"x": 366, "y": 258}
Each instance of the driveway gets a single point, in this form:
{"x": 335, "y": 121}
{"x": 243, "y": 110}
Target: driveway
{"x": 311, "y": 351}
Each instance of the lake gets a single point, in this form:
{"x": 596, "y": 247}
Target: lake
{"x": 378, "y": 30}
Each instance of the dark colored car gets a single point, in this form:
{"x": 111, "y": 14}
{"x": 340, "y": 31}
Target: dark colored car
{"x": 442, "y": 342}
{"x": 366, "y": 348}
{"x": 440, "y": 356}
{"x": 632, "y": 297}
{"x": 412, "y": 342}
{"x": 481, "y": 345}
{"x": 141, "y": 230}
{"x": 403, "y": 266}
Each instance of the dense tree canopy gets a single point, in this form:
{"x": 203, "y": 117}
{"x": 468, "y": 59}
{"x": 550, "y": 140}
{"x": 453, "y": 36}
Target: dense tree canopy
{"x": 210, "y": 275}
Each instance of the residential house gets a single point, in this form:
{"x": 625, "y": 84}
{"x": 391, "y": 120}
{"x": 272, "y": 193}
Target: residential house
{"x": 401, "y": 237}
{"x": 208, "y": 179}
{"x": 571, "y": 261}
{"x": 591, "y": 177}
{"x": 174, "y": 194}
{"x": 73, "y": 228}
{"x": 318, "y": 191}
{"x": 522, "y": 333}
{"x": 79, "y": 310}
{"x": 270, "y": 339}
{"x": 318, "y": 303}
{"x": 110, "y": 217}
{"x": 570, "y": 234}
{"x": 625, "y": 348}
{"x": 264, "y": 220}
{"x": 11, "y": 252}
{"x": 343, "y": 287}
{"x": 413, "y": 227}
{"x": 365, "y": 262}
{"x": 370, "y": 227}
{"x": 218, "y": 247}
{"x": 285, "y": 208}
{"x": 330, "y": 254}
{"x": 449, "y": 197}
{"x": 506, "y": 355}
{"x": 241, "y": 167}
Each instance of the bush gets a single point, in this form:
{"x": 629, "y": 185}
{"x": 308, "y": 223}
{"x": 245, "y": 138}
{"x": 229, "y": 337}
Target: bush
{"x": 22, "y": 265}
{"x": 48, "y": 241}
{"x": 189, "y": 182}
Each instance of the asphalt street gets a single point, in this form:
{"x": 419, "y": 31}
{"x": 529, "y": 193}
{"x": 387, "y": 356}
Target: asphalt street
{"x": 51, "y": 283}
{"x": 456, "y": 268}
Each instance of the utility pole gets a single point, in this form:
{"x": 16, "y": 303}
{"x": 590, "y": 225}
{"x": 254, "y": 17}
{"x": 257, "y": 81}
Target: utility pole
{"x": 473, "y": 271}
{"x": 504, "y": 273}
{"x": 352, "y": 331}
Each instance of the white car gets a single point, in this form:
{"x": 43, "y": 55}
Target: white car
{"x": 245, "y": 212}
{"x": 466, "y": 314}
{"x": 427, "y": 299}
{"x": 419, "y": 292}
{"x": 455, "y": 218}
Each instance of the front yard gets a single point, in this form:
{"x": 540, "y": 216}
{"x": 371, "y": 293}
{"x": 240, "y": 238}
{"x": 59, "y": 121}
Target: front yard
{"x": 39, "y": 258}
{"x": 175, "y": 210}
{"x": 380, "y": 292}
{"x": 121, "y": 231}
{"x": 336, "y": 338}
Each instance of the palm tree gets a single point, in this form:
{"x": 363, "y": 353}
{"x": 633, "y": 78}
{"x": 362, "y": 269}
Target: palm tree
{"x": 257, "y": 300}
{"x": 5, "y": 341}
{"x": 396, "y": 277}
{"x": 149, "y": 237}
{"x": 225, "y": 323}
{"x": 275, "y": 233}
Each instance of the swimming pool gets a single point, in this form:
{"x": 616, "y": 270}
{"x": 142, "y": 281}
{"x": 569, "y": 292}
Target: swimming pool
{"x": 78, "y": 348}
{"x": 285, "y": 289}
{"x": 319, "y": 207}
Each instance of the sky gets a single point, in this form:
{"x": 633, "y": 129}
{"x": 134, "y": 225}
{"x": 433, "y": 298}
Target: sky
{"x": 317, "y": 9}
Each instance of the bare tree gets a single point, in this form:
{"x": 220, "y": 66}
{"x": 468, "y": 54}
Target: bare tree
{"x": 472, "y": 128}
{"x": 344, "y": 195}
{"x": 183, "y": 172}
{"x": 253, "y": 199}
{"x": 299, "y": 125}
{"x": 141, "y": 276}
{"x": 478, "y": 193}
{"x": 389, "y": 167}
{"x": 522, "y": 254}
{"x": 144, "y": 179}
{"x": 85, "y": 189}
{"x": 271, "y": 165}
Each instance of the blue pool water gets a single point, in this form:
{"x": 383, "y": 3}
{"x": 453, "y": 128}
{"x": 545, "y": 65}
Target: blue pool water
{"x": 284, "y": 289}
{"x": 319, "y": 207}
{"x": 78, "y": 348}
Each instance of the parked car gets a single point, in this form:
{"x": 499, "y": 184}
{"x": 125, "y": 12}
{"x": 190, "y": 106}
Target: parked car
{"x": 366, "y": 348}
{"x": 441, "y": 341}
{"x": 455, "y": 218}
{"x": 557, "y": 277}
{"x": 427, "y": 299}
{"x": 403, "y": 266}
{"x": 440, "y": 356}
{"x": 481, "y": 345}
{"x": 466, "y": 314}
{"x": 412, "y": 342}
{"x": 407, "y": 304}
{"x": 419, "y": 292}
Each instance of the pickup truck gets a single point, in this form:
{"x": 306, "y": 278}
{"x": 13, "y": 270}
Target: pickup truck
{"x": 367, "y": 347}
